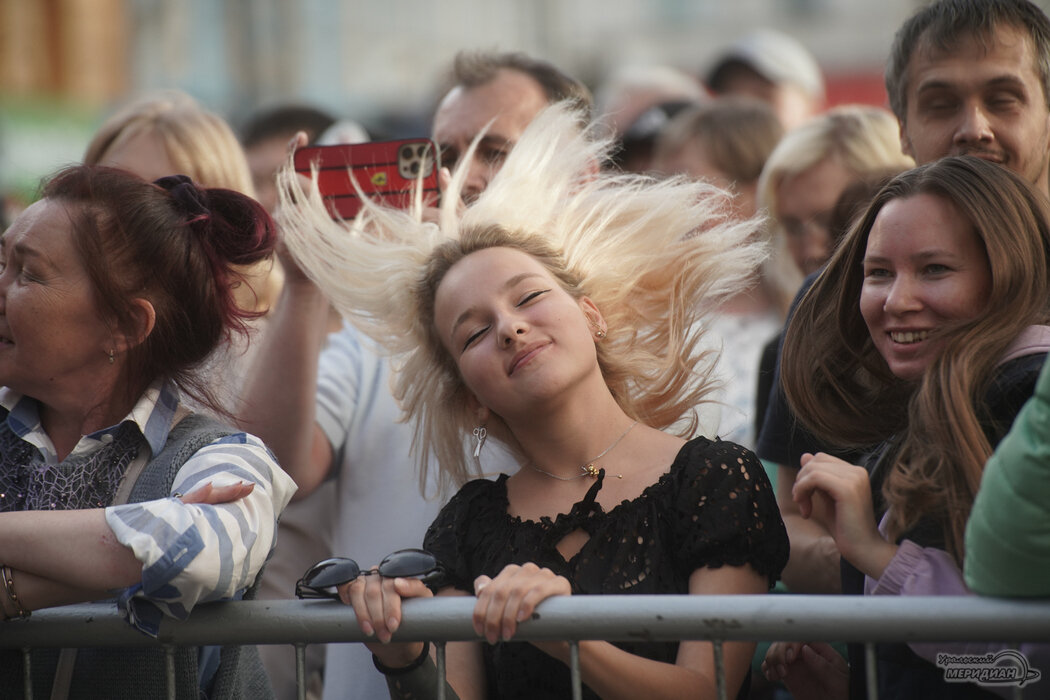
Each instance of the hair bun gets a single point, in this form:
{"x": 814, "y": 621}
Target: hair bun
{"x": 189, "y": 197}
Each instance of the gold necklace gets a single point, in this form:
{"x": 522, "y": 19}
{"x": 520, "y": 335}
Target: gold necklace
{"x": 589, "y": 468}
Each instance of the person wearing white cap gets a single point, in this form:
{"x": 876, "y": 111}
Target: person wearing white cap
{"x": 774, "y": 67}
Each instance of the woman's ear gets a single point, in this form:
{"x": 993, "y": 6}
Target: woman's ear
{"x": 594, "y": 317}
{"x": 144, "y": 317}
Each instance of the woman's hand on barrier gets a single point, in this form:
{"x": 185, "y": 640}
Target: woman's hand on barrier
{"x": 829, "y": 489}
{"x": 512, "y": 597}
{"x": 809, "y": 670}
{"x": 377, "y": 604}
{"x": 212, "y": 495}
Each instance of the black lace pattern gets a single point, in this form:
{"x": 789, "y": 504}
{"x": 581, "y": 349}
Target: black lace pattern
{"x": 714, "y": 507}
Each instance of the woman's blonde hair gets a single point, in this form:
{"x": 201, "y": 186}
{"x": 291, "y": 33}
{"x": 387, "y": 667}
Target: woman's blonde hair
{"x": 842, "y": 389}
{"x": 654, "y": 256}
{"x": 200, "y": 145}
{"x": 862, "y": 138}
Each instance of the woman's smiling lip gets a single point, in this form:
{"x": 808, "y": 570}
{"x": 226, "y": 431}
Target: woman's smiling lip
{"x": 908, "y": 336}
{"x": 525, "y": 355}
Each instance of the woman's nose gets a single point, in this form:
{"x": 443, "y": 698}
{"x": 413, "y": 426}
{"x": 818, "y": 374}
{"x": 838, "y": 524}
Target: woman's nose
{"x": 902, "y": 296}
{"x": 512, "y": 328}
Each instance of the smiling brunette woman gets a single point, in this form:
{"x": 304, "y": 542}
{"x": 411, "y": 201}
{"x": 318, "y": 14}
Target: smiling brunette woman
{"x": 558, "y": 314}
{"x": 923, "y": 338}
{"x": 113, "y": 290}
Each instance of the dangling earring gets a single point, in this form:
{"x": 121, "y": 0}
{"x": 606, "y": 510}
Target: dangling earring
{"x": 480, "y": 433}
{"x": 111, "y": 356}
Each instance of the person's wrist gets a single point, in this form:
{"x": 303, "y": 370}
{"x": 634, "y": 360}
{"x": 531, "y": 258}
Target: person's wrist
{"x": 301, "y": 297}
{"x": 400, "y": 659}
{"x": 872, "y": 558}
{"x": 302, "y": 286}
{"x": 11, "y": 604}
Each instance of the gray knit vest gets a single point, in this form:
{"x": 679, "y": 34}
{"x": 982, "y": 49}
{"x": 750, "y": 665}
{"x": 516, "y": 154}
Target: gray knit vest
{"x": 139, "y": 672}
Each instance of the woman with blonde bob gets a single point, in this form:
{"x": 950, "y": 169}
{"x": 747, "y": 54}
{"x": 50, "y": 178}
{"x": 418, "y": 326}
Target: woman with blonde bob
{"x": 804, "y": 176}
{"x": 557, "y": 314}
{"x": 923, "y": 338}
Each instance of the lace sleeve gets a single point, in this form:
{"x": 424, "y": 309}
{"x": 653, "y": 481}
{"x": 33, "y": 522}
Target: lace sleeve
{"x": 727, "y": 512}
{"x": 455, "y": 532}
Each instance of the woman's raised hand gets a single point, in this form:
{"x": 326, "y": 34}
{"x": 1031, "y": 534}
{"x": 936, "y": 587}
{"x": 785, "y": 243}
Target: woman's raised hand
{"x": 377, "y": 604}
{"x": 512, "y": 597}
{"x": 838, "y": 495}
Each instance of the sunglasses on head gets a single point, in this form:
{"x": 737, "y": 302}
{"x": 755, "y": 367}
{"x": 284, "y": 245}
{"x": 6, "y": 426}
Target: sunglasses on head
{"x": 321, "y": 580}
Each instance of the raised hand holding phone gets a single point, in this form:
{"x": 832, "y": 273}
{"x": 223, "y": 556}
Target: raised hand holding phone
{"x": 387, "y": 172}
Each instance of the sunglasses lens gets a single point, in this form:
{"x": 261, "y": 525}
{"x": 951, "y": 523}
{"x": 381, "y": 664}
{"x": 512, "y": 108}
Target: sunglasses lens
{"x": 331, "y": 572}
{"x": 407, "y": 563}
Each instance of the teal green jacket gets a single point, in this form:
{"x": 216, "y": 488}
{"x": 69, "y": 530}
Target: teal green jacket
{"x": 1008, "y": 534}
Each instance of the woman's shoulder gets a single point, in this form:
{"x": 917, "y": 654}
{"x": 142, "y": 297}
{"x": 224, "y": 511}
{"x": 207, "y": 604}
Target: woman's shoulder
{"x": 725, "y": 509}
{"x": 708, "y": 470}
{"x": 707, "y": 457}
{"x": 1018, "y": 369}
{"x": 476, "y": 498}
{"x": 1012, "y": 384}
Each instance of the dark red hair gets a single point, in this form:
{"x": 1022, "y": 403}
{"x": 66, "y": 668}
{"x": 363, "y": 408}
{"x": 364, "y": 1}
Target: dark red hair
{"x": 138, "y": 240}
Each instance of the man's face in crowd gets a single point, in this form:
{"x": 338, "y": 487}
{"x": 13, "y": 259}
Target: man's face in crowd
{"x": 982, "y": 98}
{"x": 510, "y": 101}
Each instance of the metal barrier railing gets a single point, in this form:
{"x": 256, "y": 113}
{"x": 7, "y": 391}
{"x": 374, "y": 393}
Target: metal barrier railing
{"x": 575, "y": 618}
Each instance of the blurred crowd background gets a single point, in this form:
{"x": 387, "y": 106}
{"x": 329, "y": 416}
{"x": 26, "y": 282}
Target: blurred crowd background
{"x": 67, "y": 64}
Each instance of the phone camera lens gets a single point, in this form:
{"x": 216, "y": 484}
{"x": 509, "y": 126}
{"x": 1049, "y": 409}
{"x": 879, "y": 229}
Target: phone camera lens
{"x": 422, "y": 150}
{"x": 414, "y": 167}
{"x": 406, "y": 152}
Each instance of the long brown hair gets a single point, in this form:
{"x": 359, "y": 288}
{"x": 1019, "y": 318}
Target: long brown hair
{"x": 841, "y": 387}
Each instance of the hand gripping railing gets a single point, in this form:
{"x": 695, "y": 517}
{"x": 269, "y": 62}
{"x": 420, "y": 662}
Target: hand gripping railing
{"x": 575, "y": 618}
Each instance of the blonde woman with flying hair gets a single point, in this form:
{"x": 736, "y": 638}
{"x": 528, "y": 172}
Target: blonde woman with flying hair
{"x": 921, "y": 340}
{"x": 557, "y": 314}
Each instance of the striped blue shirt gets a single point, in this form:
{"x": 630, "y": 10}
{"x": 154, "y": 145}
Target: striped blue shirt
{"x": 190, "y": 553}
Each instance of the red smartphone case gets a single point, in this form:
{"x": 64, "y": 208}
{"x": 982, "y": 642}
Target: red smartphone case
{"x": 388, "y": 172}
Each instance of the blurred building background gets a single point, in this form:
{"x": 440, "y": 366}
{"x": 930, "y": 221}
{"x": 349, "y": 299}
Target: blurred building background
{"x": 66, "y": 64}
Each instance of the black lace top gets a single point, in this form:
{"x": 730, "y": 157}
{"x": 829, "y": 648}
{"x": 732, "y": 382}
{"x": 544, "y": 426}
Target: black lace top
{"x": 713, "y": 507}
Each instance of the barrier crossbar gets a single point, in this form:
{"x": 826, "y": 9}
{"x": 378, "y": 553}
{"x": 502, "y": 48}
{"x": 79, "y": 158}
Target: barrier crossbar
{"x": 866, "y": 619}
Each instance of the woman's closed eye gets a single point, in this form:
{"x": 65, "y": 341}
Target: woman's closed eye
{"x": 474, "y": 336}
{"x": 530, "y": 296}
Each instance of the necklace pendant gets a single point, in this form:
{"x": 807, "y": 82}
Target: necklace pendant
{"x": 590, "y": 470}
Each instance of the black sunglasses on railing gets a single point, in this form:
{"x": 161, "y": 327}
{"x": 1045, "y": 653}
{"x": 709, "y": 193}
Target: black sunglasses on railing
{"x": 321, "y": 579}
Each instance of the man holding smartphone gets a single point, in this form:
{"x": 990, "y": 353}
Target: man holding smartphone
{"x": 323, "y": 403}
